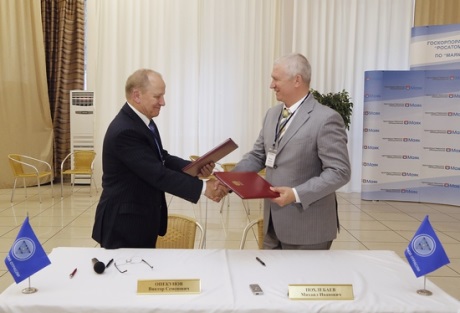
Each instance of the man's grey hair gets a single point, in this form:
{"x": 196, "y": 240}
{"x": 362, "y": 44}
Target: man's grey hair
{"x": 296, "y": 64}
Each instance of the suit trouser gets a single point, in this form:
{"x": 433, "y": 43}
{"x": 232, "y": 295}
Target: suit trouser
{"x": 271, "y": 242}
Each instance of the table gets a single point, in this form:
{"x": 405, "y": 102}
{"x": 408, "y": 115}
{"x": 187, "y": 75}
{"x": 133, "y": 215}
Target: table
{"x": 382, "y": 282}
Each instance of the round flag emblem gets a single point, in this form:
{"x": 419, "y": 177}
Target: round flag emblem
{"x": 423, "y": 245}
{"x": 23, "y": 249}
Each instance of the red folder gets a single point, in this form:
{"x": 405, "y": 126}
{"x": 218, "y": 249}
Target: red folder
{"x": 247, "y": 185}
{"x": 213, "y": 155}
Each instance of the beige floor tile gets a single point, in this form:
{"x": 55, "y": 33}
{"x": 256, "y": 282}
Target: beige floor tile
{"x": 363, "y": 225}
{"x": 348, "y": 245}
{"x": 377, "y": 236}
{"x": 397, "y": 247}
{"x": 448, "y": 284}
{"x": 401, "y": 225}
{"x": 455, "y": 265}
{"x": 453, "y": 234}
{"x": 354, "y": 216}
{"x": 345, "y": 236}
{"x": 385, "y": 216}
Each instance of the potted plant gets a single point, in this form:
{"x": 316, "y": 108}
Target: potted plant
{"x": 339, "y": 101}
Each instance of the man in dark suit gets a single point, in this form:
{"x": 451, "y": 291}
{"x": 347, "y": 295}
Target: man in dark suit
{"x": 304, "y": 150}
{"x": 137, "y": 171}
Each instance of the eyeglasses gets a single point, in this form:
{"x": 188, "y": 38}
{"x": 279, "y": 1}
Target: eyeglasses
{"x": 134, "y": 260}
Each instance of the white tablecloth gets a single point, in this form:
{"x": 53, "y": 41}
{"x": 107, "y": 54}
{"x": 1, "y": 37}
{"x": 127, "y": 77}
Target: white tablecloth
{"x": 382, "y": 282}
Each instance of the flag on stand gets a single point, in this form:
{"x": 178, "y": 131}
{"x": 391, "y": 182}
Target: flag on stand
{"x": 26, "y": 256}
{"x": 425, "y": 252}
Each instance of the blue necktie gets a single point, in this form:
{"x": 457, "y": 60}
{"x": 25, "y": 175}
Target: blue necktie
{"x": 153, "y": 129}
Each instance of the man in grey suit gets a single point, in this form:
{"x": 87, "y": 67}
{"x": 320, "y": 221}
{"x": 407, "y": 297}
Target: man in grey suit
{"x": 305, "y": 154}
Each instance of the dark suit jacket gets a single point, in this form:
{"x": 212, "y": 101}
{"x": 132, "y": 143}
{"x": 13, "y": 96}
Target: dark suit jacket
{"x": 132, "y": 209}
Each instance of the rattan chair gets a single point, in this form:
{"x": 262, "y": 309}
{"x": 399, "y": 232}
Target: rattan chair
{"x": 24, "y": 166}
{"x": 82, "y": 164}
{"x": 181, "y": 233}
{"x": 260, "y": 233}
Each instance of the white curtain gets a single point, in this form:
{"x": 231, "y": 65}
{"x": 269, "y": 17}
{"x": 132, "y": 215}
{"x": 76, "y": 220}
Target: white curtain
{"x": 216, "y": 58}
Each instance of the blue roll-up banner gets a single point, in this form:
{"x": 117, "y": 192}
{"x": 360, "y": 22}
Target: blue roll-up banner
{"x": 411, "y": 138}
{"x": 411, "y": 135}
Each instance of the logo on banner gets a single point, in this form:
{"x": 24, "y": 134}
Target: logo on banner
{"x": 411, "y": 140}
{"x": 409, "y": 174}
{"x": 448, "y": 185}
{"x": 371, "y": 113}
{"x": 372, "y": 96}
{"x": 410, "y": 157}
{"x": 412, "y": 123}
{"x": 370, "y": 164}
{"x": 371, "y": 130}
{"x": 368, "y": 147}
{"x": 370, "y": 181}
{"x": 412, "y": 105}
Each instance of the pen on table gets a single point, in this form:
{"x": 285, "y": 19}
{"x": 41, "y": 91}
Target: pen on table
{"x": 260, "y": 261}
{"x": 73, "y": 273}
{"x": 108, "y": 264}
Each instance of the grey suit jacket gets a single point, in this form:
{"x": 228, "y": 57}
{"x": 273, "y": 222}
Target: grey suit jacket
{"x": 312, "y": 157}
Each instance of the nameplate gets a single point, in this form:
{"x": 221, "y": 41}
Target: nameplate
{"x": 169, "y": 286}
{"x": 321, "y": 292}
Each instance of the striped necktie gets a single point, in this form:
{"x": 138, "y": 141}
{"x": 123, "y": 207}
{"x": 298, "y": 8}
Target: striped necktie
{"x": 284, "y": 119}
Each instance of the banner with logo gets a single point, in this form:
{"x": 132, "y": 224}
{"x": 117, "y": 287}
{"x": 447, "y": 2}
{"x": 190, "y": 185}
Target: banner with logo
{"x": 435, "y": 47}
{"x": 26, "y": 256}
{"x": 411, "y": 136}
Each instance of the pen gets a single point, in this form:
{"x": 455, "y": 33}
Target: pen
{"x": 108, "y": 264}
{"x": 260, "y": 261}
{"x": 73, "y": 273}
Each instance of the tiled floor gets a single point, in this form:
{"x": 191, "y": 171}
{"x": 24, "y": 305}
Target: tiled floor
{"x": 379, "y": 225}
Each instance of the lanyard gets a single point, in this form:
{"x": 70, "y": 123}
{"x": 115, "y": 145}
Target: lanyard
{"x": 278, "y": 130}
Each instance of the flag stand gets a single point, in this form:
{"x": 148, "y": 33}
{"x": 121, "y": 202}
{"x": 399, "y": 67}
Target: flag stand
{"x": 29, "y": 289}
{"x": 424, "y": 291}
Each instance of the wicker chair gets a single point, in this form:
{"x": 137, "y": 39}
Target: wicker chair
{"x": 24, "y": 166}
{"x": 260, "y": 233}
{"x": 181, "y": 233}
{"x": 82, "y": 164}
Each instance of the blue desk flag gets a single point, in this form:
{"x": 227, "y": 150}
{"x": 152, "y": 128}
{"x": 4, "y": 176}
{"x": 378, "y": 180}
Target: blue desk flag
{"x": 26, "y": 256}
{"x": 425, "y": 252}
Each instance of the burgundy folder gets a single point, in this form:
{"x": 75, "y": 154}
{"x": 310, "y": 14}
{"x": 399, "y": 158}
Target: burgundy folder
{"x": 213, "y": 155}
{"x": 247, "y": 185}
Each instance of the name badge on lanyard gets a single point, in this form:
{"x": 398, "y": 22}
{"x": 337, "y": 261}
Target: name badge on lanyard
{"x": 271, "y": 157}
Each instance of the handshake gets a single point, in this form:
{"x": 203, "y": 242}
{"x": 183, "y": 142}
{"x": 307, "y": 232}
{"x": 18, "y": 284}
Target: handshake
{"x": 214, "y": 189}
